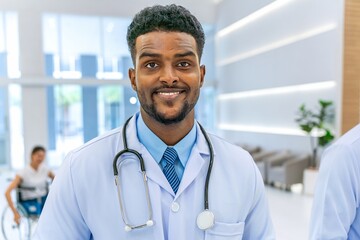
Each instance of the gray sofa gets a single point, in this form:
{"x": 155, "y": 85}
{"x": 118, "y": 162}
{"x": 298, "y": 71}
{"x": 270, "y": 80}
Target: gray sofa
{"x": 288, "y": 171}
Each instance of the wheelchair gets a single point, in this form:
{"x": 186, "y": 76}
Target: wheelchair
{"x": 23, "y": 231}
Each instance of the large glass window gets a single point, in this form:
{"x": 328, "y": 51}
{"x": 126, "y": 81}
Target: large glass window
{"x": 15, "y": 125}
{"x": 10, "y": 120}
{"x": 11, "y": 132}
{"x": 3, "y": 127}
{"x": 9, "y": 45}
{"x": 68, "y": 37}
{"x": 85, "y": 47}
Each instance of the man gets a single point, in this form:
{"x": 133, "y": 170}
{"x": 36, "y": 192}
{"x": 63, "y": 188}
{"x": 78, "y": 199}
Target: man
{"x": 336, "y": 212}
{"x": 166, "y": 44}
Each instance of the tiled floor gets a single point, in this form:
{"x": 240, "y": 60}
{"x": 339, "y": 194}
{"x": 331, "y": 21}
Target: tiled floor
{"x": 290, "y": 213}
{"x": 290, "y": 210}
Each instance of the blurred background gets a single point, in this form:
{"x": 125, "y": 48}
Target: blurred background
{"x": 271, "y": 66}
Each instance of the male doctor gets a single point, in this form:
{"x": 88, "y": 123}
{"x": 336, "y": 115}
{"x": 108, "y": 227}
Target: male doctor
{"x": 166, "y": 44}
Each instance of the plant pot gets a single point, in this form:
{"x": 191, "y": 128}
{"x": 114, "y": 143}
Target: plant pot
{"x": 309, "y": 181}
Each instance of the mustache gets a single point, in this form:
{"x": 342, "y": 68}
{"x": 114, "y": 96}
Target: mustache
{"x": 168, "y": 87}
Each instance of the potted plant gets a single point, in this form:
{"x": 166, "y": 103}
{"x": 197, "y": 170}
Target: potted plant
{"x": 315, "y": 124}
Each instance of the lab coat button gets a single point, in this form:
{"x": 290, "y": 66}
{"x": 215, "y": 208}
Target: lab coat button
{"x": 175, "y": 207}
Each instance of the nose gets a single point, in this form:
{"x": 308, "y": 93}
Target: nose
{"x": 168, "y": 75}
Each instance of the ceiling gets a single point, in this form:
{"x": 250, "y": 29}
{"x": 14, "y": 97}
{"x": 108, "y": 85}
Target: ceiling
{"x": 204, "y": 9}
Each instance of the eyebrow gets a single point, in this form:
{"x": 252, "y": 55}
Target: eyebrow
{"x": 156, "y": 55}
{"x": 185, "y": 54}
{"x": 147, "y": 54}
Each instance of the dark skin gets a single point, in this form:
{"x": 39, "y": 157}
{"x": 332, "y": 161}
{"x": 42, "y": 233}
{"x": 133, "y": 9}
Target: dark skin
{"x": 167, "y": 78}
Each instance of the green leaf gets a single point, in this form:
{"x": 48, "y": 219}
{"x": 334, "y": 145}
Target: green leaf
{"x": 326, "y": 139}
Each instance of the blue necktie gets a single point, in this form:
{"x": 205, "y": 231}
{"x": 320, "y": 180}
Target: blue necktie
{"x": 170, "y": 155}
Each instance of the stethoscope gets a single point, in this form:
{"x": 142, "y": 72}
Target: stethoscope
{"x": 205, "y": 219}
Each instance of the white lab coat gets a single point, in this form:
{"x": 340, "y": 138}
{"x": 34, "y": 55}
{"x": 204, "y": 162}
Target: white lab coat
{"x": 83, "y": 201}
{"x": 336, "y": 205}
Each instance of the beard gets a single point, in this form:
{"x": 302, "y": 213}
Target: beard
{"x": 150, "y": 109}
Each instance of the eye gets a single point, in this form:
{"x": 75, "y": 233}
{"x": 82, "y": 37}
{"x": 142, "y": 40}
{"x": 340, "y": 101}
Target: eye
{"x": 151, "y": 65}
{"x": 183, "y": 64}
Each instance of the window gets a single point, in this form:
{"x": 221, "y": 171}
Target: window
{"x": 11, "y": 134}
{"x": 9, "y": 45}
{"x": 85, "y": 47}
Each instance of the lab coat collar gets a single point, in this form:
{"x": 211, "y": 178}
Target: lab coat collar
{"x": 200, "y": 154}
{"x": 153, "y": 171}
{"x": 199, "y": 159}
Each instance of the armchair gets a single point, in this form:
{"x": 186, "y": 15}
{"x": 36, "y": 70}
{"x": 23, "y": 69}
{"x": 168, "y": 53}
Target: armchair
{"x": 271, "y": 160}
{"x": 288, "y": 172}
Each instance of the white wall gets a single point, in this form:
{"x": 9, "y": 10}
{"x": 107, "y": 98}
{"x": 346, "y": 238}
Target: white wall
{"x": 299, "y": 43}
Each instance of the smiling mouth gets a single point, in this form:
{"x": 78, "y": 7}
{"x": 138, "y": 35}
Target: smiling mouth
{"x": 169, "y": 93}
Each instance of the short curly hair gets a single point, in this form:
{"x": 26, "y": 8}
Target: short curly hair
{"x": 169, "y": 18}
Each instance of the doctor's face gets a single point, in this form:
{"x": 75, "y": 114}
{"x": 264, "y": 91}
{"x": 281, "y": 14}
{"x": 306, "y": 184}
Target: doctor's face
{"x": 167, "y": 75}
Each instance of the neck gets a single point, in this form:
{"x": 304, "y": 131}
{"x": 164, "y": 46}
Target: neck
{"x": 34, "y": 166}
{"x": 172, "y": 133}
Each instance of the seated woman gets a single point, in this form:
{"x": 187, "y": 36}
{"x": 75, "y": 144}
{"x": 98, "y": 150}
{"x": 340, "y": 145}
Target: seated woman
{"x": 33, "y": 179}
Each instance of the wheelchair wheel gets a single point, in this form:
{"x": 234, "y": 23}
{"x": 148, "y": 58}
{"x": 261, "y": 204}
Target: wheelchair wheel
{"x": 12, "y": 231}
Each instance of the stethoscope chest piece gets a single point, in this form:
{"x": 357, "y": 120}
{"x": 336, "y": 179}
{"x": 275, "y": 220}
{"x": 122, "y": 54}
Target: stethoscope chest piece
{"x": 205, "y": 220}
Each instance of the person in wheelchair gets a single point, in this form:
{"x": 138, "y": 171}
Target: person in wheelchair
{"x": 31, "y": 184}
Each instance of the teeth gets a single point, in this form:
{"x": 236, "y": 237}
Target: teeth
{"x": 168, "y": 93}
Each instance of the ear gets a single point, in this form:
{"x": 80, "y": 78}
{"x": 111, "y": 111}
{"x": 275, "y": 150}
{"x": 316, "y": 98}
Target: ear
{"x": 202, "y": 74}
{"x": 132, "y": 78}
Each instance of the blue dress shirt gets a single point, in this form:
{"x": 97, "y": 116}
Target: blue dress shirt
{"x": 157, "y": 147}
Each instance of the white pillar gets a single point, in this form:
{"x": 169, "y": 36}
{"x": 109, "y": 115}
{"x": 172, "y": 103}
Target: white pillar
{"x": 34, "y": 101}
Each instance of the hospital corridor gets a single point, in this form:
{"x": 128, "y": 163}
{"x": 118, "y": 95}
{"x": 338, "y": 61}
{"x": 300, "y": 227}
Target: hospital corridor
{"x": 180, "y": 120}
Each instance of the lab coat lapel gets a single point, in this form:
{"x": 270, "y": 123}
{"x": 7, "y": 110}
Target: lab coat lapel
{"x": 192, "y": 170}
{"x": 153, "y": 170}
{"x": 199, "y": 159}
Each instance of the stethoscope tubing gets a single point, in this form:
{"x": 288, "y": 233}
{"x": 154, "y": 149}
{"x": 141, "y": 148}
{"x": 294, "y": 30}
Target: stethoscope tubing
{"x": 143, "y": 170}
{"x": 211, "y": 150}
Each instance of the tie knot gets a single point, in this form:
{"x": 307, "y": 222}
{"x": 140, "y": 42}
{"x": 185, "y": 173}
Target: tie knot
{"x": 170, "y": 155}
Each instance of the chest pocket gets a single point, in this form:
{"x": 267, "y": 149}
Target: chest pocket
{"x": 225, "y": 231}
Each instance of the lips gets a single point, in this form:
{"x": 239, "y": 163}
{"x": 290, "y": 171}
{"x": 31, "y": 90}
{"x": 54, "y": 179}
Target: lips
{"x": 169, "y": 93}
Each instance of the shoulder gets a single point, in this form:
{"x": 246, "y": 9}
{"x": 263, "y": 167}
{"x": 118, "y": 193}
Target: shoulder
{"x": 95, "y": 154}
{"x": 350, "y": 138}
{"x": 23, "y": 171}
{"x": 109, "y": 137}
{"x": 342, "y": 159}
{"x": 93, "y": 158}
{"x": 225, "y": 148}
{"x": 233, "y": 157}
{"x": 99, "y": 145}
{"x": 234, "y": 166}
{"x": 345, "y": 150}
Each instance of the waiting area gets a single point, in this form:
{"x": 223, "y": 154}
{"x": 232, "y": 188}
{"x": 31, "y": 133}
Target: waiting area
{"x": 280, "y": 169}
